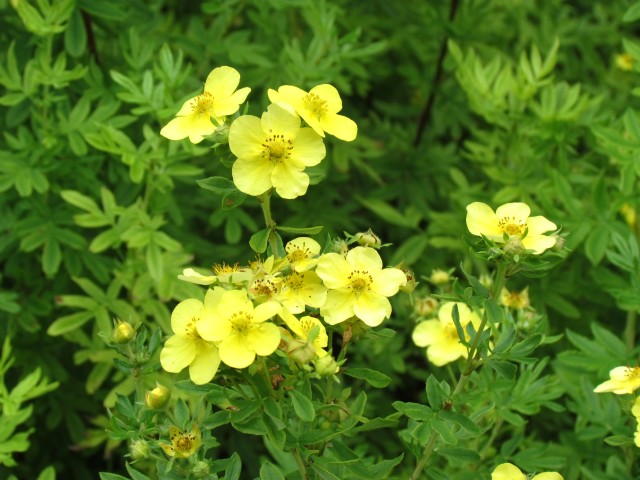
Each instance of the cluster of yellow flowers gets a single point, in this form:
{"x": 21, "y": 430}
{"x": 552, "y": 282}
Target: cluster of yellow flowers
{"x": 251, "y": 311}
{"x": 622, "y": 381}
{"x": 508, "y": 471}
{"x": 272, "y": 151}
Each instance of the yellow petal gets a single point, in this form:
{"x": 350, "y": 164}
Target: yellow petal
{"x": 388, "y": 281}
{"x": 290, "y": 182}
{"x": 289, "y": 95}
{"x": 340, "y": 127}
{"x": 205, "y": 364}
{"x": 252, "y": 175}
{"x": 235, "y": 352}
{"x": 184, "y": 313}
{"x": 372, "y": 308}
{"x": 338, "y": 307}
{"x": 539, "y": 224}
{"x": 246, "y": 137}
{"x": 264, "y": 338}
{"x": 280, "y": 121}
{"x": 330, "y": 95}
{"x": 538, "y": 243}
{"x": 364, "y": 258}
{"x": 427, "y": 333}
{"x": 445, "y": 314}
{"x": 191, "y": 276}
{"x": 507, "y": 471}
{"x": 196, "y": 126}
{"x": 308, "y": 148}
{"x": 177, "y": 353}
{"x": 333, "y": 269}
{"x": 222, "y": 81}
{"x": 517, "y": 211}
{"x": 230, "y": 105}
{"x": 446, "y": 352}
{"x": 265, "y": 311}
{"x": 548, "y": 476}
{"x": 481, "y": 220}
{"x": 314, "y": 294}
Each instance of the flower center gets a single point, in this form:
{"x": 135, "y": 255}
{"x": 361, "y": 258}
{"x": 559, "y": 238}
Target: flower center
{"x": 241, "y": 323}
{"x": 306, "y": 325}
{"x": 451, "y": 332}
{"x": 223, "y": 268}
{"x": 316, "y": 104}
{"x": 512, "y": 226}
{"x": 184, "y": 444}
{"x": 294, "y": 281}
{"x": 263, "y": 286}
{"x": 632, "y": 373}
{"x": 276, "y": 148}
{"x": 190, "y": 329}
{"x": 203, "y": 103}
{"x": 360, "y": 281}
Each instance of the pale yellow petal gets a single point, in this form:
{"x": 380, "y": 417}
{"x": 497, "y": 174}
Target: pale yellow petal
{"x": 364, "y": 259}
{"x": 442, "y": 353}
{"x": 277, "y": 120}
{"x": 427, "y": 333}
{"x": 177, "y": 353}
{"x": 538, "y": 243}
{"x": 230, "y": 105}
{"x": 222, "y": 81}
{"x": 292, "y": 322}
{"x": 205, "y": 364}
{"x": 308, "y": 148}
{"x": 186, "y": 312}
{"x": 196, "y": 126}
{"x": 305, "y": 244}
{"x": 340, "y": 127}
{"x": 518, "y": 212}
{"x": 539, "y": 224}
{"x": 548, "y": 476}
{"x": 333, "y": 269}
{"x": 288, "y": 94}
{"x": 191, "y": 276}
{"x": 330, "y": 95}
{"x": 372, "y": 308}
{"x": 338, "y": 307}
{"x": 264, "y": 338}
{"x": 481, "y": 220}
{"x": 188, "y": 107}
{"x": 290, "y": 182}
{"x": 314, "y": 294}
{"x": 507, "y": 471}
{"x": 234, "y": 351}
{"x": 252, "y": 175}
{"x": 445, "y": 314}
{"x": 246, "y": 137}
{"x": 265, "y": 311}
{"x": 388, "y": 281}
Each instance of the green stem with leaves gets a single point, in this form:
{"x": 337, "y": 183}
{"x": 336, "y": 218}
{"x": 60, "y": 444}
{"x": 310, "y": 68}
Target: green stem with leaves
{"x": 265, "y": 204}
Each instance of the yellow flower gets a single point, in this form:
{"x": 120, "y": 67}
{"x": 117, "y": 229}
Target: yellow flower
{"x": 622, "y": 380}
{"x": 439, "y": 277}
{"x": 300, "y": 289}
{"x": 513, "y": 220}
{"x": 183, "y": 444}
{"x": 273, "y": 152}
{"x": 508, "y": 471}
{"x": 517, "y": 300}
{"x": 441, "y": 336}
{"x": 187, "y": 347}
{"x": 635, "y": 410}
{"x": 223, "y": 273}
{"x": 241, "y": 329}
{"x": 358, "y": 285}
{"x": 319, "y": 108}
{"x": 218, "y": 100}
{"x": 629, "y": 214}
{"x": 624, "y": 61}
{"x": 302, "y": 253}
{"x": 302, "y": 327}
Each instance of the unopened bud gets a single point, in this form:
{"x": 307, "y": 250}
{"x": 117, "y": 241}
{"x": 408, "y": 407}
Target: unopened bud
{"x": 368, "y": 239}
{"x": 200, "y": 470}
{"x": 158, "y": 397}
{"x": 340, "y": 246}
{"x": 139, "y": 450}
{"x": 425, "y": 306}
{"x": 123, "y": 332}
{"x": 301, "y": 352}
{"x": 486, "y": 280}
{"x": 514, "y": 246}
{"x": 411, "y": 284}
{"x": 559, "y": 245}
{"x": 326, "y": 366}
{"x": 439, "y": 277}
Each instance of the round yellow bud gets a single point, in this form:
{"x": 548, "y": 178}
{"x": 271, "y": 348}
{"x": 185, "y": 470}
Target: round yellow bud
{"x": 123, "y": 332}
{"x": 158, "y": 397}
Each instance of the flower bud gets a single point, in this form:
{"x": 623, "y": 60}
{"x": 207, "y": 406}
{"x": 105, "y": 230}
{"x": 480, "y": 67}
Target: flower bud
{"x": 486, "y": 280}
{"x": 425, "y": 306}
{"x": 559, "y": 245}
{"x": 301, "y": 352}
{"x": 624, "y": 61}
{"x": 200, "y": 470}
{"x": 339, "y": 246}
{"x": 368, "y": 239}
{"x": 411, "y": 284}
{"x": 158, "y": 397}
{"x": 139, "y": 450}
{"x": 326, "y": 366}
{"x": 439, "y": 277}
{"x": 123, "y": 332}
{"x": 516, "y": 300}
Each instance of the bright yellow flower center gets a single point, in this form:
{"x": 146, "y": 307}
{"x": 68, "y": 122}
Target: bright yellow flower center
{"x": 223, "y": 268}
{"x": 306, "y": 325}
{"x": 632, "y": 373}
{"x": 183, "y": 442}
{"x": 263, "y": 287}
{"x": 294, "y": 281}
{"x": 276, "y": 148}
{"x": 241, "y": 323}
{"x": 191, "y": 331}
{"x": 315, "y": 104}
{"x": 451, "y": 333}
{"x": 512, "y": 226}
{"x": 203, "y": 103}
{"x": 360, "y": 281}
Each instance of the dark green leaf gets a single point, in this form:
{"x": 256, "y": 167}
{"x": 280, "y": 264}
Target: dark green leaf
{"x": 373, "y": 377}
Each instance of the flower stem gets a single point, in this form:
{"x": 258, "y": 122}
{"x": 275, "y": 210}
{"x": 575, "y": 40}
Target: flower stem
{"x": 301, "y": 466}
{"x": 426, "y": 454}
{"x": 265, "y": 204}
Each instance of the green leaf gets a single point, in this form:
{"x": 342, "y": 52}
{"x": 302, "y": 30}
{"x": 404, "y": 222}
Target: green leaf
{"x": 301, "y": 230}
{"x": 632, "y": 14}
{"x": 69, "y": 323}
{"x": 597, "y": 242}
{"x": 268, "y": 471}
{"x": 415, "y": 411}
{"x": 459, "y": 454}
{"x": 111, "y": 476}
{"x": 75, "y": 37}
{"x": 219, "y": 185}
{"x": 302, "y": 406}
{"x": 155, "y": 262}
{"x": 459, "y": 419}
{"x": 79, "y": 200}
{"x": 135, "y": 474}
{"x": 51, "y": 256}
{"x": 618, "y": 440}
{"x": 259, "y": 240}
{"x": 232, "y": 472}
{"x": 48, "y": 473}
{"x": 504, "y": 369}
{"x": 435, "y": 393}
{"x": 373, "y": 377}
{"x": 233, "y": 199}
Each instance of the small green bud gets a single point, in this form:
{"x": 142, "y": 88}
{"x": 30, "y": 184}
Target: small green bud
{"x": 439, "y": 277}
{"x": 301, "y": 352}
{"x": 139, "y": 450}
{"x": 123, "y": 332}
{"x": 158, "y": 397}
{"x": 326, "y": 366}
{"x": 368, "y": 239}
{"x": 200, "y": 470}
